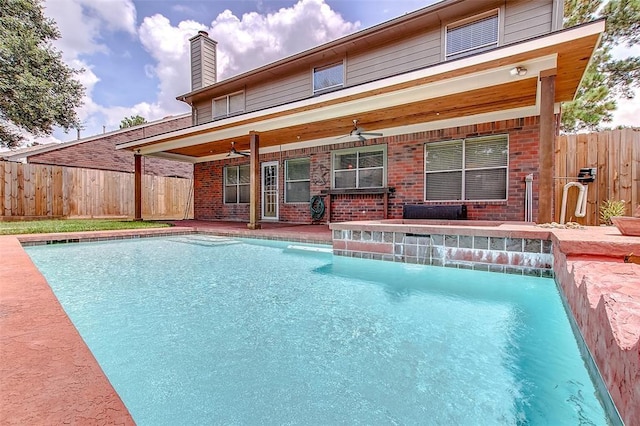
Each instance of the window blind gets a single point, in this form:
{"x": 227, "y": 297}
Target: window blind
{"x": 472, "y": 36}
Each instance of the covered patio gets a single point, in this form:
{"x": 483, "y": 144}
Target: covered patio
{"x": 525, "y": 79}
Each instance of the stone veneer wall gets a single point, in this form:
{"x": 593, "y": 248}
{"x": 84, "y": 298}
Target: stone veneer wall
{"x": 512, "y": 255}
{"x": 605, "y": 313}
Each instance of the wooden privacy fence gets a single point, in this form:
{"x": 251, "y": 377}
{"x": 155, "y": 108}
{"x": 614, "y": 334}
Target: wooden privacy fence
{"x": 33, "y": 190}
{"x": 614, "y": 154}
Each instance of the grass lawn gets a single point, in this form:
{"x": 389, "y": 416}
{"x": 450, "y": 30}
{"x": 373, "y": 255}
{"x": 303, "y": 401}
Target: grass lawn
{"x": 73, "y": 225}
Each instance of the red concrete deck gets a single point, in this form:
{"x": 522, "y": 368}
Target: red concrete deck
{"x": 49, "y": 376}
{"x": 276, "y": 231}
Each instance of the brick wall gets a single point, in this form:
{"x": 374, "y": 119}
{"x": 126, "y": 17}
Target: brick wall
{"x": 100, "y": 152}
{"x": 405, "y": 173}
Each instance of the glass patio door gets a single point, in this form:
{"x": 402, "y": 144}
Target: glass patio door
{"x": 270, "y": 190}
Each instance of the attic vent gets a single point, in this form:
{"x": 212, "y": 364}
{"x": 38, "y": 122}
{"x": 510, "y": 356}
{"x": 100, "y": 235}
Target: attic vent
{"x": 472, "y": 36}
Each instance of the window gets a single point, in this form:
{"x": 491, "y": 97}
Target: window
{"x": 360, "y": 168}
{"x": 297, "y": 181}
{"x": 328, "y": 77}
{"x": 236, "y": 184}
{"x": 228, "y": 105}
{"x": 467, "y": 169}
{"x": 474, "y": 36}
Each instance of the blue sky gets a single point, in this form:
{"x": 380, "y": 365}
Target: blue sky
{"x": 133, "y": 52}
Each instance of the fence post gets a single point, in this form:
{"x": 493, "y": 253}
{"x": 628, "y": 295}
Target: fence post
{"x": 138, "y": 186}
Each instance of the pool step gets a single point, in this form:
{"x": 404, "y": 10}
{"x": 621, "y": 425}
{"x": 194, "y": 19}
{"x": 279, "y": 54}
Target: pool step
{"x": 209, "y": 241}
{"x": 310, "y": 248}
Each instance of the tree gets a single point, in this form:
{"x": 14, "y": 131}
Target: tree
{"x": 132, "y": 121}
{"x": 37, "y": 90}
{"x": 606, "y": 78}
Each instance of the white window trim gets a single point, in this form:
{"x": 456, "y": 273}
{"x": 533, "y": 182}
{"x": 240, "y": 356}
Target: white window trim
{"x": 499, "y": 40}
{"x": 464, "y": 170}
{"x": 382, "y": 147}
{"x": 238, "y": 185}
{"x": 286, "y": 174}
{"x": 228, "y": 98}
{"x": 330, "y": 88}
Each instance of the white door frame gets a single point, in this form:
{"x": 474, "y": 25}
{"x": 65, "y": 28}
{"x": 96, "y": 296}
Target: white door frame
{"x": 270, "y": 194}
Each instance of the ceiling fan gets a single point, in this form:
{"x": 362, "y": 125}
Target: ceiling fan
{"x": 359, "y": 132}
{"x": 233, "y": 151}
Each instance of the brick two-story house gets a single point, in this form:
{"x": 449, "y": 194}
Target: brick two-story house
{"x": 454, "y": 104}
{"x": 99, "y": 151}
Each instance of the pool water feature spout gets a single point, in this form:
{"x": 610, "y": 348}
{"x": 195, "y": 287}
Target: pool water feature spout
{"x": 581, "y": 204}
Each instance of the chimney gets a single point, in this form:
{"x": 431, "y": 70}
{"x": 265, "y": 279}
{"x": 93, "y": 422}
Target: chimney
{"x": 203, "y": 61}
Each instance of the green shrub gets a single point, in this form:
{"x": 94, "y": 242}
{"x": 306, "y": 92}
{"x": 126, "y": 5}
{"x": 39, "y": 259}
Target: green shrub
{"x": 611, "y": 208}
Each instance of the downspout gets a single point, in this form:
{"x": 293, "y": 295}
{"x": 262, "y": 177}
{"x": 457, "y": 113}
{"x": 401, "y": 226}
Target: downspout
{"x": 557, "y": 15}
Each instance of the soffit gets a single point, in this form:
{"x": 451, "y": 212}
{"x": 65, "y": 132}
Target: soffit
{"x": 516, "y": 94}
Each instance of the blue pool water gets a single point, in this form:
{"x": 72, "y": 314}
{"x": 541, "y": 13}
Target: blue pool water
{"x": 206, "y": 330}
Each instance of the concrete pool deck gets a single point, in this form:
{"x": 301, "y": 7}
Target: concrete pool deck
{"x": 49, "y": 376}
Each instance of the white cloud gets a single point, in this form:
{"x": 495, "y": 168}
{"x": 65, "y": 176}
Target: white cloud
{"x": 168, "y": 46}
{"x": 254, "y": 39}
{"x": 80, "y": 33}
{"x": 116, "y": 15}
{"x": 628, "y": 111}
{"x": 83, "y": 25}
{"x": 82, "y": 22}
{"x": 244, "y": 43}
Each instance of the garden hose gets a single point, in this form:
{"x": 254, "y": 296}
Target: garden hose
{"x": 317, "y": 207}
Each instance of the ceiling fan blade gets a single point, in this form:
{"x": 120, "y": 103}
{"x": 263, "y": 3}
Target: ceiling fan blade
{"x": 233, "y": 151}
{"x": 371, "y": 134}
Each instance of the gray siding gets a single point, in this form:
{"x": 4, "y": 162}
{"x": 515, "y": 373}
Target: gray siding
{"x": 278, "y": 91}
{"x": 196, "y": 69}
{"x": 204, "y": 113}
{"x": 203, "y": 62}
{"x": 395, "y": 58}
{"x": 521, "y": 19}
{"x": 526, "y": 18}
{"x": 208, "y": 64}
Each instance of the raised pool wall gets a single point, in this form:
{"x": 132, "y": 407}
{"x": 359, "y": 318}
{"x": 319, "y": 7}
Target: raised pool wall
{"x": 602, "y": 292}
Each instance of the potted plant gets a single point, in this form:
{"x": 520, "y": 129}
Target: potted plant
{"x": 609, "y": 209}
{"x": 628, "y": 225}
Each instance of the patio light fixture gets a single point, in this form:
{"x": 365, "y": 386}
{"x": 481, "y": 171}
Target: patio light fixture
{"x": 518, "y": 71}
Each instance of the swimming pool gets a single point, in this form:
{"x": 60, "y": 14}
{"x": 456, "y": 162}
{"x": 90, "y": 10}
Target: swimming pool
{"x": 198, "y": 329}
